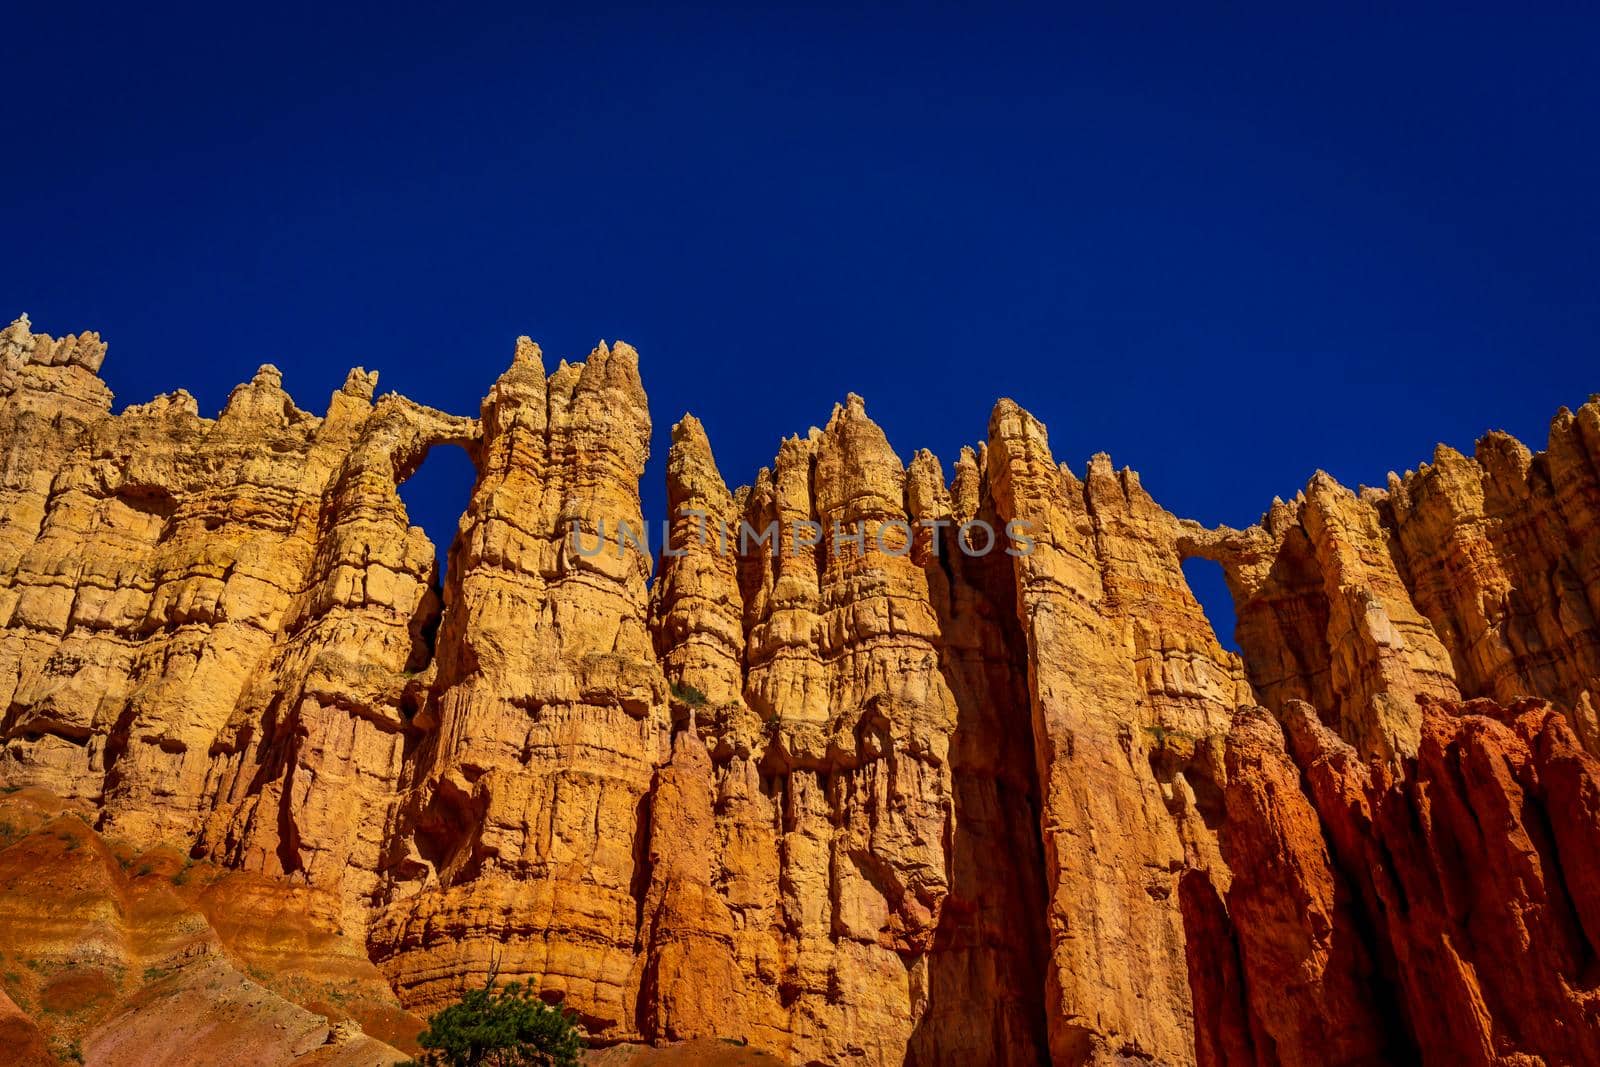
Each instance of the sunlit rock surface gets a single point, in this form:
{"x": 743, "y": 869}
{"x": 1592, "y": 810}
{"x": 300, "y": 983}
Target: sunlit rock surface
{"x": 865, "y": 795}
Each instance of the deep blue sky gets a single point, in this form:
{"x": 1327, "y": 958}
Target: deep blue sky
{"x": 1226, "y": 248}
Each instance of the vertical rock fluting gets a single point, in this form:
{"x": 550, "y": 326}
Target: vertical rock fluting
{"x": 1325, "y": 616}
{"x": 185, "y": 577}
{"x": 1311, "y": 979}
{"x": 862, "y": 776}
{"x": 1129, "y": 688}
{"x": 1505, "y": 561}
{"x": 320, "y": 733}
{"x": 865, "y": 725}
{"x": 1455, "y": 923}
{"x": 527, "y": 805}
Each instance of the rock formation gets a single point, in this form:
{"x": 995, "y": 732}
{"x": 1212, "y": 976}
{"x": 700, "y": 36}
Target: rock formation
{"x": 869, "y": 766}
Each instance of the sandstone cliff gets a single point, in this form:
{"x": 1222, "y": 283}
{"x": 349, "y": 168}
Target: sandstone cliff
{"x": 866, "y": 796}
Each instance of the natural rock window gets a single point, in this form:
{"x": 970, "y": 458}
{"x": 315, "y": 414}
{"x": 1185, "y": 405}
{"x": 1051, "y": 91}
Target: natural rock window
{"x": 435, "y": 497}
{"x": 1211, "y": 590}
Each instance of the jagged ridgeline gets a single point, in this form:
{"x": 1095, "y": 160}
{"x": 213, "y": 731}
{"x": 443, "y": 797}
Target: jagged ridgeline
{"x": 878, "y": 801}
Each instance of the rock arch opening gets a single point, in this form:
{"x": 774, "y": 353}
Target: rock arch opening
{"x": 1210, "y": 588}
{"x": 436, "y": 494}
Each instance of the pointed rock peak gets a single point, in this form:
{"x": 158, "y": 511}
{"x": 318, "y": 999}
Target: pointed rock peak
{"x": 688, "y": 428}
{"x": 528, "y": 353}
{"x": 1560, "y": 426}
{"x": 1281, "y": 515}
{"x": 1499, "y": 441}
{"x": 360, "y": 383}
{"x": 19, "y": 329}
{"x": 520, "y": 388}
{"x": 689, "y": 439}
{"x": 1006, "y": 409}
{"x": 565, "y": 376}
{"x": 854, "y": 409}
{"x": 858, "y": 473}
{"x": 794, "y": 450}
{"x": 692, "y": 469}
{"x": 177, "y": 402}
{"x": 263, "y": 399}
{"x": 1102, "y": 472}
{"x": 925, "y": 467}
{"x": 614, "y": 368}
{"x": 1323, "y": 482}
{"x": 1445, "y": 456}
{"x": 759, "y": 498}
{"x": 527, "y": 362}
{"x": 926, "y": 494}
{"x": 1500, "y": 449}
{"x": 852, "y": 429}
{"x": 967, "y": 484}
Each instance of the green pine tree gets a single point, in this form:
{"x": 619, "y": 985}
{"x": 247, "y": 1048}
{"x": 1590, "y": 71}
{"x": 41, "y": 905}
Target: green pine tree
{"x": 509, "y": 1027}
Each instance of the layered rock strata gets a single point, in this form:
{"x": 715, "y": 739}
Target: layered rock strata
{"x": 826, "y": 777}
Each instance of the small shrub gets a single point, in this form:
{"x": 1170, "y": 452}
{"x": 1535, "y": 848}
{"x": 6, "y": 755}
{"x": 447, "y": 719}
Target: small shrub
{"x": 155, "y": 974}
{"x": 689, "y": 695}
{"x": 1162, "y": 734}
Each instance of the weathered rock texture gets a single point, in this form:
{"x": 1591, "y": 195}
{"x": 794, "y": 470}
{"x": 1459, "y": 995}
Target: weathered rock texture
{"x": 857, "y": 793}
{"x": 130, "y": 955}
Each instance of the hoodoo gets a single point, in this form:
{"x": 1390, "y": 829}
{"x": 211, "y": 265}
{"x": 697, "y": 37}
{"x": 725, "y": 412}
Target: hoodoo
{"x": 870, "y": 801}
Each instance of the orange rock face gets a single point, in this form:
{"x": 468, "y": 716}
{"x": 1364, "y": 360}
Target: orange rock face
{"x": 126, "y": 955}
{"x": 868, "y": 765}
